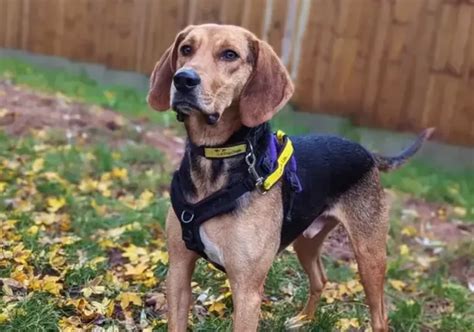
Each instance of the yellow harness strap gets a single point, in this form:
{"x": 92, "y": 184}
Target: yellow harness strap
{"x": 283, "y": 158}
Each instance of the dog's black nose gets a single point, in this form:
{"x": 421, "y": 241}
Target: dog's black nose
{"x": 186, "y": 80}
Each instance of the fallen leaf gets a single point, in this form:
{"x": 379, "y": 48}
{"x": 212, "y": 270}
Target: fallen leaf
{"x": 128, "y": 298}
{"x": 397, "y": 284}
{"x": 55, "y": 203}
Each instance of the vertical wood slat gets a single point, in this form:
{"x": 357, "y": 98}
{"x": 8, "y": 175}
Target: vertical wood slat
{"x": 253, "y": 15}
{"x": 398, "y": 64}
{"x": 277, "y": 25}
{"x": 10, "y": 15}
{"x": 231, "y": 12}
{"x": 44, "y": 26}
{"x": 3, "y": 22}
{"x": 307, "y": 56}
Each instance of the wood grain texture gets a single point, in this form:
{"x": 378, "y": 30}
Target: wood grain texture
{"x": 399, "y": 64}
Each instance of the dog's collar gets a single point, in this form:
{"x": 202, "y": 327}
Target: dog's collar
{"x": 238, "y": 144}
{"x": 222, "y": 152}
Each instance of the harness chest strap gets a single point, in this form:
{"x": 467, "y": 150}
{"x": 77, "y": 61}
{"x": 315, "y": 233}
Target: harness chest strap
{"x": 191, "y": 216}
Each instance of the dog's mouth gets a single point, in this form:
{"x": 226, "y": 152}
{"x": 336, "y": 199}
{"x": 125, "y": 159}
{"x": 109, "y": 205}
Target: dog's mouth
{"x": 184, "y": 108}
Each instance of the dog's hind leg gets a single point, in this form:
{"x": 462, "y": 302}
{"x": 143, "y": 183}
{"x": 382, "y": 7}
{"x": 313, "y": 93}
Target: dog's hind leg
{"x": 364, "y": 215}
{"x": 308, "y": 250}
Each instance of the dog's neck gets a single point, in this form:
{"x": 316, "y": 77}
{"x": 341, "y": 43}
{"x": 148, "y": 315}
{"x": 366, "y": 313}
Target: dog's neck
{"x": 205, "y": 176}
{"x": 201, "y": 133}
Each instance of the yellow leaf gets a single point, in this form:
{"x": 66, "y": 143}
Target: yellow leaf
{"x": 46, "y": 219}
{"x": 96, "y": 261}
{"x": 33, "y": 230}
{"x": 133, "y": 253}
{"x": 7, "y": 290}
{"x": 70, "y": 324}
{"x": 51, "y": 284}
{"x": 3, "y": 185}
{"x": 88, "y": 185}
{"x": 3, "y": 317}
{"x": 144, "y": 200}
{"x": 128, "y": 298}
{"x": 217, "y": 307}
{"x": 409, "y": 231}
{"x": 330, "y": 295}
{"x": 159, "y": 256}
{"x": 344, "y": 324}
{"x": 458, "y": 210}
{"x": 404, "y": 250}
{"x": 354, "y": 286}
{"x": 20, "y": 276}
{"x": 103, "y": 188}
{"x": 120, "y": 173}
{"x": 38, "y": 165}
{"x": 54, "y": 203}
{"x": 131, "y": 270}
{"x": 101, "y": 210}
{"x": 88, "y": 291}
{"x": 397, "y": 284}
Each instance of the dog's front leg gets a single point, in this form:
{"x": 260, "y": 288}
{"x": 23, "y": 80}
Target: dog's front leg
{"x": 247, "y": 278}
{"x": 178, "y": 281}
{"x": 247, "y": 297}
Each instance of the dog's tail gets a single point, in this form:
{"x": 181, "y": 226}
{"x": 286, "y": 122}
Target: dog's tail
{"x": 387, "y": 164}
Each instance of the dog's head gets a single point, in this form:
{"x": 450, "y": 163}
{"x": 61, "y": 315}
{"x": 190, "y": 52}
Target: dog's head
{"x": 210, "y": 67}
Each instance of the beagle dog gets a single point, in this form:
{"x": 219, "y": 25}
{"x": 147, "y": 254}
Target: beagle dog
{"x": 225, "y": 85}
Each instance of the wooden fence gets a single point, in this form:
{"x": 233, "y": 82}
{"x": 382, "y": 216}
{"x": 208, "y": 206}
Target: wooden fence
{"x": 399, "y": 64}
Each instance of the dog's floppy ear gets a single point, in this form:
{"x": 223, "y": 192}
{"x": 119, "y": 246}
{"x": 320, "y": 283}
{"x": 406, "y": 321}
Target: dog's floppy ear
{"x": 162, "y": 75}
{"x": 268, "y": 88}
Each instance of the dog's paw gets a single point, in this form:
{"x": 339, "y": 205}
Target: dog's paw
{"x": 296, "y": 322}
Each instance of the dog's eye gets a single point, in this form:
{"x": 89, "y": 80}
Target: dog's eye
{"x": 186, "y": 50}
{"x": 229, "y": 55}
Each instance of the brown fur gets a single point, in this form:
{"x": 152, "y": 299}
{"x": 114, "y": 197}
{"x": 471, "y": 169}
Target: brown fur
{"x": 250, "y": 91}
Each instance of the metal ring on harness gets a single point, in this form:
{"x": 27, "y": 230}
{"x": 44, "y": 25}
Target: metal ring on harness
{"x": 250, "y": 160}
{"x": 187, "y": 220}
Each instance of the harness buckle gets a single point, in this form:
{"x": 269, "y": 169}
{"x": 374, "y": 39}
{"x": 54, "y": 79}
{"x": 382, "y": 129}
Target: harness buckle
{"x": 251, "y": 160}
{"x": 187, "y": 216}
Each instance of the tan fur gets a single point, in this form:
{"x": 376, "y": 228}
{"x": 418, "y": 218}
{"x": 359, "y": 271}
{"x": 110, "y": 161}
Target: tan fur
{"x": 249, "y": 91}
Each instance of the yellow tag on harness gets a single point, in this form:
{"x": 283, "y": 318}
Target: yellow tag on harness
{"x": 283, "y": 158}
{"x": 225, "y": 152}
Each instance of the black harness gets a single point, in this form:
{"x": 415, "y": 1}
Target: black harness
{"x": 263, "y": 169}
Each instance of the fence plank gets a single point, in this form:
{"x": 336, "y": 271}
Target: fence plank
{"x": 277, "y": 24}
{"x": 231, "y": 12}
{"x": 253, "y": 15}
{"x": 3, "y": 22}
{"x": 206, "y": 11}
{"x": 161, "y": 29}
{"x": 13, "y": 11}
{"x": 80, "y": 25}
{"x": 376, "y": 61}
{"x": 308, "y": 62}
{"x": 45, "y": 23}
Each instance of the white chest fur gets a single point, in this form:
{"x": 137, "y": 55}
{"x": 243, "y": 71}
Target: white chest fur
{"x": 211, "y": 249}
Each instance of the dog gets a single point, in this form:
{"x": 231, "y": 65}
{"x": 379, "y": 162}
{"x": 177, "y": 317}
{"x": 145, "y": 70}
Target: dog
{"x": 225, "y": 85}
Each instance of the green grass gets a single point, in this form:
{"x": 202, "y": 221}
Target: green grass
{"x": 36, "y": 313}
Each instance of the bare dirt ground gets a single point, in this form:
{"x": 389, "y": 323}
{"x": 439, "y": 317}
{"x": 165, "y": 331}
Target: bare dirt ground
{"x": 23, "y": 110}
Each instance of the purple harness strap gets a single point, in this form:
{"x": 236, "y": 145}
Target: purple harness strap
{"x": 291, "y": 176}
